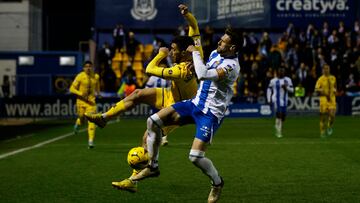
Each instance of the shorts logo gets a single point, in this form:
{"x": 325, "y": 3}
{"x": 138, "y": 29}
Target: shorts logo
{"x": 206, "y": 131}
{"x": 170, "y": 72}
{"x": 143, "y": 10}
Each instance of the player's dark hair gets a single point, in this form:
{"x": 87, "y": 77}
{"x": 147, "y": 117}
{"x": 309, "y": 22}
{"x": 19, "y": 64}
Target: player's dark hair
{"x": 183, "y": 42}
{"x": 87, "y": 62}
{"x": 236, "y": 38}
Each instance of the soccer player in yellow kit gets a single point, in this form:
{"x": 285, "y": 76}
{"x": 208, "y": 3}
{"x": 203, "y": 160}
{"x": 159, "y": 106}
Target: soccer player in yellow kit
{"x": 85, "y": 85}
{"x": 183, "y": 84}
{"x": 326, "y": 88}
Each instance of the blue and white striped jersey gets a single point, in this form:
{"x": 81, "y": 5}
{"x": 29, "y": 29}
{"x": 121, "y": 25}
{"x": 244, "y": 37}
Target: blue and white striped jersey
{"x": 155, "y": 81}
{"x": 276, "y": 94}
{"x": 215, "y": 95}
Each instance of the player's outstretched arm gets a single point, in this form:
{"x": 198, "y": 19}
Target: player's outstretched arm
{"x": 194, "y": 31}
{"x": 174, "y": 72}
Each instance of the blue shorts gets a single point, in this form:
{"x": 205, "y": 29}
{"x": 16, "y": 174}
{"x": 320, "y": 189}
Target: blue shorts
{"x": 206, "y": 124}
{"x": 281, "y": 109}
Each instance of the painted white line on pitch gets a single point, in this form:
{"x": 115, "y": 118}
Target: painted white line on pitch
{"x": 19, "y": 138}
{"x": 2, "y": 156}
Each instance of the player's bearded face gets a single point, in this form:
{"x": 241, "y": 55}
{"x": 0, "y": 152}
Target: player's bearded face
{"x": 175, "y": 53}
{"x": 224, "y": 44}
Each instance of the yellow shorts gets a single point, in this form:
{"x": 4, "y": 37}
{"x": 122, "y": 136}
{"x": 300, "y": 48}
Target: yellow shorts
{"x": 82, "y": 107}
{"x": 164, "y": 98}
{"x": 326, "y": 105}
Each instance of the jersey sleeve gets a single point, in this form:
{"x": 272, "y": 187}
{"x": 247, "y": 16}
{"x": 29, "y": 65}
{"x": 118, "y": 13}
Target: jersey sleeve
{"x": 179, "y": 71}
{"x": 290, "y": 87}
{"x": 74, "y": 88}
{"x": 194, "y": 32}
{"x": 318, "y": 85}
{"x": 269, "y": 91}
{"x": 97, "y": 83}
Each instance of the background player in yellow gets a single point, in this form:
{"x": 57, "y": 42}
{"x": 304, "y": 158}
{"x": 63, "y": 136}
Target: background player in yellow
{"x": 85, "y": 86}
{"x": 326, "y": 88}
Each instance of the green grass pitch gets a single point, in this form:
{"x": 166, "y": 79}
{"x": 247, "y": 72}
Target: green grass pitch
{"x": 256, "y": 166}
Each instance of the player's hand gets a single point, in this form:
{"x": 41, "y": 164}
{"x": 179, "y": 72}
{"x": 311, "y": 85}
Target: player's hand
{"x": 183, "y": 9}
{"x": 189, "y": 66}
{"x": 191, "y": 48}
{"x": 84, "y": 95}
{"x": 164, "y": 50}
{"x": 284, "y": 86}
{"x": 188, "y": 73}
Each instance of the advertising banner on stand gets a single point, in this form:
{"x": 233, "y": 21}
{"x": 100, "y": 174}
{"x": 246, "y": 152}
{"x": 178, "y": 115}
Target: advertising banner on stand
{"x": 303, "y": 12}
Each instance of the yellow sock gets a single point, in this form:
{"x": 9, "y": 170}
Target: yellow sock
{"x": 91, "y": 131}
{"x": 116, "y": 110}
{"x": 322, "y": 127}
{"x": 78, "y": 121}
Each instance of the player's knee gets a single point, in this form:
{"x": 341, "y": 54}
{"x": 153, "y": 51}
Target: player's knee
{"x": 196, "y": 155}
{"x": 154, "y": 121}
{"x": 136, "y": 95}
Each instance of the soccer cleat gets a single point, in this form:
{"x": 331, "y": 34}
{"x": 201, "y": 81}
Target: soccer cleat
{"x": 127, "y": 185}
{"x": 215, "y": 192}
{"x": 323, "y": 135}
{"x": 329, "y": 131}
{"x": 164, "y": 141}
{"x": 278, "y": 135}
{"x": 135, "y": 172}
{"x": 91, "y": 145}
{"x": 146, "y": 173}
{"x": 76, "y": 129}
{"x": 96, "y": 118}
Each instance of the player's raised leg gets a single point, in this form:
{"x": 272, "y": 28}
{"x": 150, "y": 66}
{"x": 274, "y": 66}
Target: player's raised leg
{"x": 165, "y": 117}
{"x": 147, "y": 96}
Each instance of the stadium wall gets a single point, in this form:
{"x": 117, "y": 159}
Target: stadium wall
{"x": 38, "y": 73}
{"x": 64, "y": 107}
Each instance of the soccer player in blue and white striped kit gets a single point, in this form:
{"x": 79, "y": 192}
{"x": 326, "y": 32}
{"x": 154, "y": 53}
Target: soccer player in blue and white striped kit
{"x": 277, "y": 94}
{"x": 206, "y": 110}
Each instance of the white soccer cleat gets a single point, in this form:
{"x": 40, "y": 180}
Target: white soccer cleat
{"x": 164, "y": 141}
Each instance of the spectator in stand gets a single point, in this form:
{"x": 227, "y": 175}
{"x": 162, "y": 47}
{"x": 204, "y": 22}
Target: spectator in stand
{"x": 104, "y": 56}
{"x": 291, "y": 53}
{"x": 5, "y": 87}
{"x": 132, "y": 45}
{"x": 302, "y": 73}
{"x": 265, "y": 44}
{"x": 290, "y": 30}
{"x": 325, "y": 31}
{"x": 119, "y": 37}
{"x": 333, "y": 39}
{"x": 275, "y": 57}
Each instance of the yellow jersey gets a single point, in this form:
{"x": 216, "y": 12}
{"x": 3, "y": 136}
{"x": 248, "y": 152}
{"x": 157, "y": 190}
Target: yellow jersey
{"x": 85, "y": 86}
{"x": 326, "y": 85}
